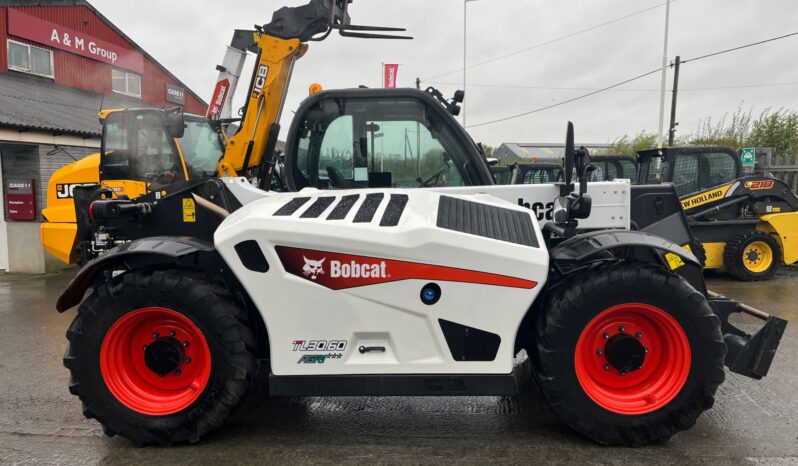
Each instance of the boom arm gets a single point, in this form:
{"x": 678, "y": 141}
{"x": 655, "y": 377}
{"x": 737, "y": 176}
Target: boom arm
{"x": 280, "y": 44}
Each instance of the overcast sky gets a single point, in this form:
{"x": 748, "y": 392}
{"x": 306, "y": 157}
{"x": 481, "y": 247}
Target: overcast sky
{"x": 189, "y": 38}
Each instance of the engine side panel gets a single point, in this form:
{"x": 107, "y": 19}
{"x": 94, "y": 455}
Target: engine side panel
{"x": 348, "y": 271}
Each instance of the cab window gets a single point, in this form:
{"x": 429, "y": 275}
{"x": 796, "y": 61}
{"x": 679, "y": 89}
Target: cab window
{"x": 543, "y": 175}
{"x": 201, "y": 148}
{"x": 360, "y": 143}
{"x": 685, "y": 174}
{"x": 137, "y": 147}
{"x": 720, "y": 169}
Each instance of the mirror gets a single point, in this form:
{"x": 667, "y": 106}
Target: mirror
{"x": 569, "y": 160}
{"x": 175, "y": 124}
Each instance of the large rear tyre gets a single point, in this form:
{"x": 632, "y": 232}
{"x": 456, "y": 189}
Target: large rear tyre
{"x": 628, "y": 353}
{"x": 160, "y": 357}
{"x": 752, "y": 256}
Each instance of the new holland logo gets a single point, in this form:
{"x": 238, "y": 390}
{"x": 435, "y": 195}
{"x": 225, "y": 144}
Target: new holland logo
{"x": 351, "y": 269}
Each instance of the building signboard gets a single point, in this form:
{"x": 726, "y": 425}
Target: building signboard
{"x": 29, "y": 27}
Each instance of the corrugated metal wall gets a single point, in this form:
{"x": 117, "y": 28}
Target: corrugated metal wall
{"x": 83, "y": 73}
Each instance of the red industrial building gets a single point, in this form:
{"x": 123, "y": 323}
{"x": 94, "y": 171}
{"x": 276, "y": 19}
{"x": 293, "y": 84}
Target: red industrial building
{"x": 61, "y": 62}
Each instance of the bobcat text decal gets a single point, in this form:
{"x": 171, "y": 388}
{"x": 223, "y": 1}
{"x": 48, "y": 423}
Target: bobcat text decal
{"x": 340, "y": 271}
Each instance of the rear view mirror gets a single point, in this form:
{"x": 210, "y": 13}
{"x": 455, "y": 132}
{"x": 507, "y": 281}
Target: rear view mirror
{"x": 175, "y": 124}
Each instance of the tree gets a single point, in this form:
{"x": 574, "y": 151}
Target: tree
{"x": 625, "y": 145}
{"x": 778, "y": 130}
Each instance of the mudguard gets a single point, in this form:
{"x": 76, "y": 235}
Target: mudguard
{"x": 631, "y": 244}
{"x": 144, "y": 252}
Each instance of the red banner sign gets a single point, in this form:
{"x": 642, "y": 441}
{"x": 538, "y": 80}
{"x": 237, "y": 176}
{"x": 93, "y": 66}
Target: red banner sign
{"x": 219, "y": 98}
{"x": 44, "y": 32}
{"x": 390, "y": 72}
{"x": 21, "y": 200}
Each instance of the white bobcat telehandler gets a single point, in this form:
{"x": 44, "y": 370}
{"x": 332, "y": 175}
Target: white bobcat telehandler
{"x": 376, "y": 290}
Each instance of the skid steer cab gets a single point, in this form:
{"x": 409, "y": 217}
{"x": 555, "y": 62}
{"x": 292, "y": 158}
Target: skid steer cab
{"x": 394, "y": 291}
{"x": 747, "y": 224}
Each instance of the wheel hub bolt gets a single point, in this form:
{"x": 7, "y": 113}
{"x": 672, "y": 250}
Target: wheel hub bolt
{"x": 188, "y": 360}
{"x": 155, "y": 335}
{"x": 606, "y": 367}
{"x": 645, "y": 349}
{"x": 623, "y": 374}
{"x": 185, "y": 343}
{"x": 177, "y": 372}
{"x": 599, "y": 351}
{"x": 639, "y": 334}
{"x": 145, "y": 347}
{"x": 621, "y": 329}
{"x": 172, "y": 333}
{"x": 606, "y": 336}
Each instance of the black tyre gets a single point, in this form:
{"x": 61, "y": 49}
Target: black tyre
{"x": 697, "y": 248}
{"x": 752, "y": 255}
{"x": 628, "y": 353}
{"x": 160, "y": 357}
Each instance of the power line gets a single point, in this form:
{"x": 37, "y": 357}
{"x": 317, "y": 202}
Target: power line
{"x": 630, "y": 80}
{"x": 657, "y": 70}
{"x": 553, "y": 88}
{"x": 548, "y": 42}
{"x": 740, "y": 47}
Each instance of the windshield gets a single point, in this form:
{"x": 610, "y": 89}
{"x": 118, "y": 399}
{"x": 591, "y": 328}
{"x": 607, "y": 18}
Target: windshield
{"x": 373, "y": 142}
{"x": 201, "y": 148}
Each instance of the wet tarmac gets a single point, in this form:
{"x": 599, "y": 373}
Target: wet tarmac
{"x": 41, "y": 423}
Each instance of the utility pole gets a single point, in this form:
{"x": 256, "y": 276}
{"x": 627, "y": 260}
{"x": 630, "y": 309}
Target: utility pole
{"x": 664, "y": 75}
{"x": 672, "y": 130}
{"x": 465, "y": 40}
{"x": 418, "y": 83}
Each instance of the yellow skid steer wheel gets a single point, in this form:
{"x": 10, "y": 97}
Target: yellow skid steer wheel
{"x": 752, "y": 255}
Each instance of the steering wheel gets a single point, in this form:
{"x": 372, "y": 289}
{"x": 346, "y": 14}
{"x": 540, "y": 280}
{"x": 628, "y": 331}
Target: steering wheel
{"x": 436, "y": 178}
{"x": 160, "y": 180}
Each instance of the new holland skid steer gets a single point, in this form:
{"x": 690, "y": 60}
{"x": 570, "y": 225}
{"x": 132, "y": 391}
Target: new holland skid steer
{"x": 352, "y": 284}
{"x": 748, "y": 225}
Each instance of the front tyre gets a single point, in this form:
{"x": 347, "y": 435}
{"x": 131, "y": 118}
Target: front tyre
{"x": 160, "y": 356}
{"x": 628, "y": 353}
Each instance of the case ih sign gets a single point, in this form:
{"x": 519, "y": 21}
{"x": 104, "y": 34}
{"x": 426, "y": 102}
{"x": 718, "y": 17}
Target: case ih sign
{"x": 175, "y": 94}
{"x": 53, "y": 35}
{"x": 21, "y": 200}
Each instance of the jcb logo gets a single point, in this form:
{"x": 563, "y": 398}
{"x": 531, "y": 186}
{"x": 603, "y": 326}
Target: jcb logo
{"x": 67, "y": 191}
{"x": 759, "y": 184}
{"x": 260, "y": 81}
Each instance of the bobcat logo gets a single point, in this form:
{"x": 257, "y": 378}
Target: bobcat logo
{"x": 313, "y": 268}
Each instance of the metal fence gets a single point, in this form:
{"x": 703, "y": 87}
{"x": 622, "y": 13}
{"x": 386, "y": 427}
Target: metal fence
{"x": 783, "y": 167}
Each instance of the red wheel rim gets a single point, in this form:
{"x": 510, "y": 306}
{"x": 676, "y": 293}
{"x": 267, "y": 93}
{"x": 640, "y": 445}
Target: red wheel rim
{"x": 658, "y": 379}
{"x": 135, "y": 384}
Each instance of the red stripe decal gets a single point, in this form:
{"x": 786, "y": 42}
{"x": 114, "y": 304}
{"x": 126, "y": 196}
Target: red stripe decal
{"x": 340, "y": 271}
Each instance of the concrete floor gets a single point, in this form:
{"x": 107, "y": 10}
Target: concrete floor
{"x": 41, "y": 423}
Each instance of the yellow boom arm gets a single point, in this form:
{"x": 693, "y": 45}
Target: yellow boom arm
{"x": 276, "y": 59}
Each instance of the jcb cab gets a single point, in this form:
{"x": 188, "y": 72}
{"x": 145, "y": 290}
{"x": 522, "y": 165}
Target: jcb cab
{"x": 142, "y": 151}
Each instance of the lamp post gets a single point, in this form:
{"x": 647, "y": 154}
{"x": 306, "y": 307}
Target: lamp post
{"x": 465, "y": 40}
{"x": 664, "y": 75}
